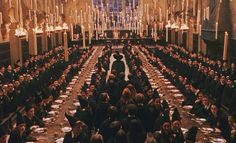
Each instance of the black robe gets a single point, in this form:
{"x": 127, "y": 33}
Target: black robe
{"x": 15, "y": 137}
{"x": 82, "y": 138}
{"x": 119, "y": 66}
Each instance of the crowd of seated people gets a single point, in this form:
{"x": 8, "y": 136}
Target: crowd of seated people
{"x": 120, "y": 111}
{"x": 187, "y": 73}
{"x": 213, "y": 77}
{"x": 35, "y": 85}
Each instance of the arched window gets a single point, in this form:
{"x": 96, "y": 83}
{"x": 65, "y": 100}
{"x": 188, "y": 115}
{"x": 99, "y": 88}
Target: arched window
{"x": 115, "y": 5}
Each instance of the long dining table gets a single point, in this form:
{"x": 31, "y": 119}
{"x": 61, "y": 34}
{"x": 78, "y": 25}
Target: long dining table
{"x": 56, "y": 123}
{"x": 175, "y": 98}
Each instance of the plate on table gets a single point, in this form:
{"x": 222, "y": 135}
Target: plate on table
{"x": 66, "y": 129}
{"x": 67, "y": 92}
{"x": 218, "y": 140}
{"x": 154, "y": 86}
{"x": 184, "y": 130}
{"x": 180, "y": 100}
{"x": 52, "y": 113}
{"x": 40, "y": 130}
{"x": 72, "y": 111}
{"x": 72, "y": 83}
{"x": 166, "y": 80}
{"x": 207, "y": 130}
{"x": 47, "y": 119}
{"x": 59, "y": 101}
{"x": 55, "y": 106}
{"x": 63, "y": 96}
{"x": 77, "y": 104}
{"x": 188, "y": 107}
{"x": 60, "y": 140}
{"x": 34, "y": 127}
{"x": 178, "y": 95}
{"x": 170, "y": 86}
{"x": 151, "y": 80}
{"x": 69, "y": 88}
{"x": 76, "y": 77}
{"x": 74, "y": 80}
{"x": 201, "y": 119}
{"x": 175, "y": 90}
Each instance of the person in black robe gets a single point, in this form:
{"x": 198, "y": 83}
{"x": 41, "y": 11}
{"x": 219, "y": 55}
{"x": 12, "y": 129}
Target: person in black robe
{"x": 232, "y": 123}
{"x": 191, "y": 135}
{"x": 84, "y": 112}
{"x": 228, "y": 93}
{"x": 232, "y": 71}
{"x": 4, "y": 104}
{"x": 18, "y": 135}
{"x": 218, "y": 121}
{"x": 176, "y": 127}
{"x": 102, "y": 106}
{"x": 136, "y": 133}
{"x": 118, "y": 65}
{"x": 78, "y": 133}
{"x": 2, "y": 75}
{"x": 165, "y": 135}
{"x": 105, "y": 126}
{"x": 3, "y": 134}
{"x": 96, "y": 138}
{"x": 31, "y": 119}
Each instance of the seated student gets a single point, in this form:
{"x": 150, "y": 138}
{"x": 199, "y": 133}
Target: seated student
{"x": 191, "y": 135}
{"x": 31, "y": 119}
{"x": 3, "y": 135}
{"x": 218, "y": 121}
{"x": 203, "y": 109}
{"x": 18, "y": 135}
{"x": 232, "y": 122}
{"x": 176, "y": 127}
{"x": 165, "y": 135}
{"x": 4, "y": 103}
{"x": 78, "y": 132}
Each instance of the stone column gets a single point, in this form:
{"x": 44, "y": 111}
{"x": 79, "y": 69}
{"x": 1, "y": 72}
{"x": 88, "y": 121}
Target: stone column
{"x": 108, "y": 7}
{"x": 83, "y": 34}
{"x": 15, "y": 45}
{"x": 89, "y": 34}
{"x": 180, "y": 35}
{"x": 60, "y": 37}
{"x": 44, "y": 39}
{"x": 123, "y": 7}
{"x": 66, "y": 46}
{"x": 32, "y": 40}
{"x": 53, "y": 39}
{"x": 190, "y": 36}
{"x": 204, "y": 47}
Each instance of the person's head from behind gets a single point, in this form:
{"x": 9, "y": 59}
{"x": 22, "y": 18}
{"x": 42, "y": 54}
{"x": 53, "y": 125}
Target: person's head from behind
{"x": 121, "y": 137}
{"x": 96, "y": 138}
{"x": 79, "y": 127}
